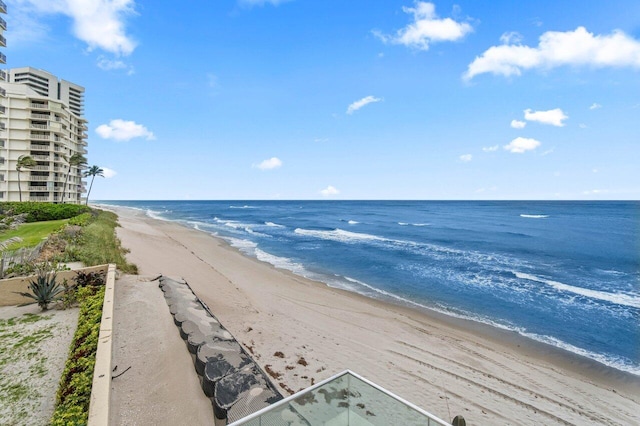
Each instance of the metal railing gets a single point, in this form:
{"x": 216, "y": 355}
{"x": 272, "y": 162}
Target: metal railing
{"x": 39, "y": 136}
{"x": 39, "y": 126}
{"x": 39, "y": 105}
{"x": 37, "y": 147}
{"x": 3, "y": 58}
{"x": 3, "y": 24}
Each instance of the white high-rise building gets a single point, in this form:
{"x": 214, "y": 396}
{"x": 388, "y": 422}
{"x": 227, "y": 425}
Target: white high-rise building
{"x": 43, "y": 119}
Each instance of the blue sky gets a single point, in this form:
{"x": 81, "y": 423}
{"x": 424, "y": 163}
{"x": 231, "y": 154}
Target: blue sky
{"x": 385, "y": 99}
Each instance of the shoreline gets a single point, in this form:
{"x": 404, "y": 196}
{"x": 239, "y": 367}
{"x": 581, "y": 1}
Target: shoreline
{"x": 512, "y": 338}
{"x": 474, "y": 342}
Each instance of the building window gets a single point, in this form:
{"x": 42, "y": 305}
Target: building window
{"x": 1, "y": 194}
{"x": 1, "y": 177}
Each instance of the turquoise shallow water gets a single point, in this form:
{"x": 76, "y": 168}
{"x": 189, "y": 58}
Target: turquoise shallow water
{"x": 564, "y": 273}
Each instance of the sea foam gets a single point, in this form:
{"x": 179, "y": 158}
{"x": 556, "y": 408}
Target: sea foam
{"x": 616, "y": 298}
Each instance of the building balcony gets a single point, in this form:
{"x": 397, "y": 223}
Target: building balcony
{"x": 39, "y": 116}
{"x": 3, "y": 7}
{"x": 38, "y": 198}
{"x": 3, "y": 24}
{"x": 3, "y": 41}
{"x": 39, "y": 147}
{"x": 3, "y": 92}
{"x": 3, "y": 109}
{"x": 40, "y": 157}
{"x": 3, "y": 75}
{"x": 39, "y": 105}
{"x": 38, "y": 178}
{"x": 40, "y": 137}
{"x": 3, "y": 126}
{"x": 43, "y": 188}
{"x": 42, "y": 168}
{"x": 39, "y": 126}
{"x": 3, "y": 58}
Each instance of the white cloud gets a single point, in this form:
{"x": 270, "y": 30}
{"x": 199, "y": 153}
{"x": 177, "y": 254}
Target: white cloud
{"x": 520, "y": 145}
{"x": 517, "y": 124}
{"x": 99, "y": 23}
{"x": 108, "y": 173}
{"x": 362, "y": 102}
{"x": 490, "y": 148}
{"x": 511, "y": 38}
{"x": 555, "y": 49}
{"x": 329, "y": 190}
{"x": 466, "y": 158}
{"x": 582, "y": 126}
{"x": 595, "y": 106}
{"x": 114, "y": 64}
{"x": 595, "y": 192}
{"x": 321, "y": 140}
{"x": 547, "y": 152}
{"x": 269, "y": 164}
{"x": 426, "y": 28}
{"x": 554, "y": 117}
{"x": 121, "y": 130}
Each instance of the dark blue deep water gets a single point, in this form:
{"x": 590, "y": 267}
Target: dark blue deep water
{"x": 564, "y": 273}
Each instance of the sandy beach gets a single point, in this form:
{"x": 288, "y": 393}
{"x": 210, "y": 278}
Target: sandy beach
{"x": 444, "y": 365}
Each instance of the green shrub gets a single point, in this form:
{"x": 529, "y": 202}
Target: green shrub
{"x": 81, "y": 220}
{"x": 37, "y": 212}
{"x": 92, "y": 279}
{"x": 74, "y": 393}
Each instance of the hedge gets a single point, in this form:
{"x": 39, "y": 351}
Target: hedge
{"x": 74, "y": 393}
{"x": 38, "y": 212}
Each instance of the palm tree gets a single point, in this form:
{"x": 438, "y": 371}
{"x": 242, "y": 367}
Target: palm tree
{"x": 93, "y": 172}
{"x": 24, "y": 162}
{"x": 77, "y": 160}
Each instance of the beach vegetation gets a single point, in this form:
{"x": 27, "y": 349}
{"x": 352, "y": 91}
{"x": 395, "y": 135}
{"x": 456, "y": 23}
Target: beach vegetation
{"x": 44, "y": 289}
{"x": 74, "y": 393}
{"x": 96, "y": 244}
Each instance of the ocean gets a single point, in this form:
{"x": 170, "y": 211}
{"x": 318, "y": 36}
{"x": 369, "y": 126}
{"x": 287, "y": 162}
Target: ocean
{"x": 563, "y": 273}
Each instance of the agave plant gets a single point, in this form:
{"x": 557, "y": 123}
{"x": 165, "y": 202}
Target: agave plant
{"x": 44, "y": 289}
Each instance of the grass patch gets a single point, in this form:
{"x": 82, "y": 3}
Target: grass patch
{"x": 98, "y": 244}
{"x": 32, "y": 234}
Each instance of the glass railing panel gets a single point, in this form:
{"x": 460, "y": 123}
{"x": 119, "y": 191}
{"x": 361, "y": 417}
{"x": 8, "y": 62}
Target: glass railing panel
{"x": 345, "y": 400}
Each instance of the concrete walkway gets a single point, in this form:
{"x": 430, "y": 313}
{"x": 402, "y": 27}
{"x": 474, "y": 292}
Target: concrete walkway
{"x": 161, "y": 387}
